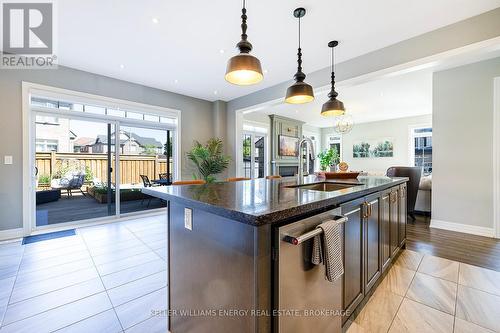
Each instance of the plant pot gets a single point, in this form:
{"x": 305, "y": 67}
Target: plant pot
{"x": 333, "y": 168}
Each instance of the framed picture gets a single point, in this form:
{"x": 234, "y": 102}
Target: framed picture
{"x": 383, "y": 147}
{"x": 288, "y": 146}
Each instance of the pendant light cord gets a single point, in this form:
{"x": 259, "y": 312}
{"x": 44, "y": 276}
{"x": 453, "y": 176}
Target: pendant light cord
{"x": 244, "y": 45}
{"x": 333, "y": 93}
{"x": 299, "y": 76}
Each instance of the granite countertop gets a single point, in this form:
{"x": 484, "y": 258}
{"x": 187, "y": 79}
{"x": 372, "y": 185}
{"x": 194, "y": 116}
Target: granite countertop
{"x": 262, "y": 201}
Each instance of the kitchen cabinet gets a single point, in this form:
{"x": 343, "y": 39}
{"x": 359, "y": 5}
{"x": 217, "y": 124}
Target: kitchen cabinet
{"x": 353, "y": 283}
{"x": 385, "y": 229}
{"x": 402, "y": 203}
{"x": 394, "y": 222}
{"x": 372, "y": 240}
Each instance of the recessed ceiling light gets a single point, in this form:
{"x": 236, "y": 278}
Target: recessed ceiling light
{"x": 215, "y": 92}
{"x": 221, "y": 51}
{"x": 155, "y": 20}
{"x": 122, "y": 66}
{"x": 265, "y": 71}
{"x": 176, "y": 81}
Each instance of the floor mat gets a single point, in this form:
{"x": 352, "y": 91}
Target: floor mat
{"x": 51, "y": 235}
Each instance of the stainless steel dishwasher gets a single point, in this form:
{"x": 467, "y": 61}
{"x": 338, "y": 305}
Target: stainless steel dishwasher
{"x": 304, "y": 301}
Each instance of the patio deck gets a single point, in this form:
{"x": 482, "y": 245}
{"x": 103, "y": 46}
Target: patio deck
{"x": 79, "y": 207}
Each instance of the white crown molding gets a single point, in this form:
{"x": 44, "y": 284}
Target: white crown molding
{"x": 464, "y": 228}
{"x": 11, "y": 234}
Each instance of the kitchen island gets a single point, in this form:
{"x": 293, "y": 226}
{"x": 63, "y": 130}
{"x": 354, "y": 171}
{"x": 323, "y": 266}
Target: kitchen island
{"x": 237, "y": 262}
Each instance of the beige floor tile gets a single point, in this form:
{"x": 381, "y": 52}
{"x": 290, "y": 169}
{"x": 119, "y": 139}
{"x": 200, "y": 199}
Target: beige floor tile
{"x": 462, "y": 326}
{"x": 354, "y": 328}
{"x": 409, "y": 259}
{"x": 378, "y": 313}
{"x": 434, "y": 292}
{"x": 480, "y": 278}
{"x": 440, "y": 268}
{"x": 397, "y": 280}
{"x": 478, "y": 307}
{"x": 419, "y": 318}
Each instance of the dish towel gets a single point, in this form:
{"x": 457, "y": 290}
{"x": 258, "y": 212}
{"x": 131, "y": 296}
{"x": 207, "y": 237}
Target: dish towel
{"x": 327, "y": 249}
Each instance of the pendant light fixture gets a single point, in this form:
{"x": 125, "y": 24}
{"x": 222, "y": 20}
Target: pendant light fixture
{"x": 300, "y": 92}
{"x": 244, "y": 69}
{"x": 333, "y": 107}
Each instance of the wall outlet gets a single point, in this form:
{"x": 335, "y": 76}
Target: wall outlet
{"x": 8, "y": 160}
{"x": 188, "y": 218}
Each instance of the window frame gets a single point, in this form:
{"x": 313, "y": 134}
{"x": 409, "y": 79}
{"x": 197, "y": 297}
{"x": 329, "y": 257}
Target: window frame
{"x": 411, "y": 140}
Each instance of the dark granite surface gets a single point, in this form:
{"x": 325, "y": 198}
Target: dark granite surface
{"x": 262, "y": 201}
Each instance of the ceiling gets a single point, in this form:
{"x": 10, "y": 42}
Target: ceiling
{"x": 183, "y": 46}
{"x": 399, "y": 96}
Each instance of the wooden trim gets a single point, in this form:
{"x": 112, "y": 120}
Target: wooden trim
{"x": 11, "y": 234}
{"x": 464, "y": 228}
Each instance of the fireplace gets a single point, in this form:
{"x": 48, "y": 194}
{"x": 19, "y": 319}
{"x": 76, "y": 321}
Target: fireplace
{"x": 288, "y": 170}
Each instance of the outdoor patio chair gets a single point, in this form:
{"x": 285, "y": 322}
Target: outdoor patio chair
{"x": 69, "y": 182}
{"x": 147, "y": 183}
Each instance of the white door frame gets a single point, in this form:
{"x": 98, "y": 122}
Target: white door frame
{"x": 496, "y": 157}
{"x": 28, "y": 89}
{"x": 252, "y": 153}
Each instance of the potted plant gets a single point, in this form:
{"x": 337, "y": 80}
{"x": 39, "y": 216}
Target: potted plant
{"x": 208, "y": 159}
{"x": 329, "y": 159}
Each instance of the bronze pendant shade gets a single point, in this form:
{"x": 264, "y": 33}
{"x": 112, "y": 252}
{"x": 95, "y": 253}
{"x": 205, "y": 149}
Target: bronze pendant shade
{"x": 244, "y": 69}
{"x": 333, "y": 107}
{"x": 299, "y": 92}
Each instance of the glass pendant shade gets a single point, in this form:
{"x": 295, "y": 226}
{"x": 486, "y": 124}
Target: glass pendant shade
{"x": 343, "y": 124}
{"x": 244, "y": 69}
{"x": 299, "y": 92}
{"x": 333, "y": 107}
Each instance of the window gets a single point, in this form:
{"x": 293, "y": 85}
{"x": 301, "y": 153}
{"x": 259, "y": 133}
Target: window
{"x": 421, "y": 148}
{"x": 46, "y": 146}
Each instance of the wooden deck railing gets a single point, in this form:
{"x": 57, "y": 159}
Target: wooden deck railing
{"x": 131, "y": 166}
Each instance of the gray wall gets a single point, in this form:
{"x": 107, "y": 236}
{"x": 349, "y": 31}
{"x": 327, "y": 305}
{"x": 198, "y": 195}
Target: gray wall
{"x": 472, "y": 30}
{"x": 197, "y": 122}
{"x": 397, "y": 129}
{"x": 462, "y": 188}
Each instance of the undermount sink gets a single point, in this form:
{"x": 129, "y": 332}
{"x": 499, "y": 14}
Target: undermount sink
{"x": 325, "y": 187}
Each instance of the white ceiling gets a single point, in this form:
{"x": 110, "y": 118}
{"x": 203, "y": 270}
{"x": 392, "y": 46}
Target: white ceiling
{"x": 400, "y": 96}
{"x": 181, "y": 52}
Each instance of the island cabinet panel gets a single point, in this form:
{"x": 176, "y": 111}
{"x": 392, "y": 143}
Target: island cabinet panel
{"x": 353, "y": 283}
{"x": 219, "y": 265}
{"x": 394, "y": 222}
{"x": 372, "y": 240}
{"x": 385, "y": 229}
{"x": 402, "y": 204}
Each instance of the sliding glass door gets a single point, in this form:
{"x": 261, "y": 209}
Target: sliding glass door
{"x": 254, "y": 164}
{"x": 74, "y": 169}
{"x": 92, "y": 162}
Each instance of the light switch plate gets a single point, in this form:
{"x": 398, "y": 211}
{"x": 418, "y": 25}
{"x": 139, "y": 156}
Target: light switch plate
{"x": 188, "y": 218}
{"x": 7, "y": 160}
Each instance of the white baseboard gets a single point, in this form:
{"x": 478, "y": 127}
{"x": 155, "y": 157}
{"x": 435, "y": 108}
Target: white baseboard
{"x": 11, "y": 234}
{"x": 465, "y": 228}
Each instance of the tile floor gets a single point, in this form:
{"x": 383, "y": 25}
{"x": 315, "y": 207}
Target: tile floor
{"x": 423, "y": 293}
{"x": 110, "y": 278}
{"x": 105, "y": 279}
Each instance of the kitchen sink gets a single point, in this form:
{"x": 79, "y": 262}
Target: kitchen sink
{"x": 325, "y": 187}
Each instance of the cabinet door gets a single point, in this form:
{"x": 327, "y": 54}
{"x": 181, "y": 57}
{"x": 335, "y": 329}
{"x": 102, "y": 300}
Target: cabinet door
{"x": 394, "y": 221}
{"x": 372, "y": 240}
{"x": 402, "y": 215}
{"x": 385, "y": 229}
{"x": 353, "y": 256}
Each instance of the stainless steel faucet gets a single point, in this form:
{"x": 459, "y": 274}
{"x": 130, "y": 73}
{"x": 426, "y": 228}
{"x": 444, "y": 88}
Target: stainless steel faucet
{"x": 301, "y": 165}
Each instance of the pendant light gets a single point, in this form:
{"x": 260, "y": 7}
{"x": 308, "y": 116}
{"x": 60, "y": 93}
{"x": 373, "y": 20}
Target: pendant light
{"x": 300, "y": 92}
{"x": 244, "y": 69}
{"x": 333, "y": 107}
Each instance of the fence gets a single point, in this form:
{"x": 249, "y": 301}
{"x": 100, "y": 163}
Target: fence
{"x": 131, "y": 166}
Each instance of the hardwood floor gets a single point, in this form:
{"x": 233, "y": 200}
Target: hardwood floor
{"x": 470, "y": 249}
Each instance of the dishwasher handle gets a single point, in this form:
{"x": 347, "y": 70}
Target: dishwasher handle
{"x": 308, "y": 235}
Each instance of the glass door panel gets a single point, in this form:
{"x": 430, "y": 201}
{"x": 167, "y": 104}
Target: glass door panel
{"x": 74, "y": 169}
{"x": 259, "y": 156}
{"x": 145, "y": 160}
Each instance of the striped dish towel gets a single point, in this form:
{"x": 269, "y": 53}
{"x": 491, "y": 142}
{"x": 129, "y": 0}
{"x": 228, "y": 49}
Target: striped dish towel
{"x": 327, "y": 249}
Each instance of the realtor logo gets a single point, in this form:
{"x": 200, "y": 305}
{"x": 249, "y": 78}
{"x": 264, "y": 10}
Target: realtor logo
{"x": 28, "y": 35}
